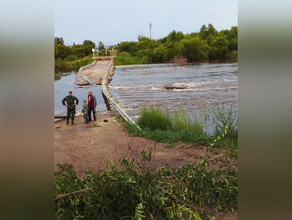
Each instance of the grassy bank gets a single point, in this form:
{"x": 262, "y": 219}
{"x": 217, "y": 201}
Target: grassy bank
{"x": 177, "y": 127}
{"x": 71, "y": 63}
{"x": 125, "y": 58}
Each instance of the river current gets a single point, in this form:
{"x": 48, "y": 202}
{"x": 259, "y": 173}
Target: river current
{"x": 204, "y": 87}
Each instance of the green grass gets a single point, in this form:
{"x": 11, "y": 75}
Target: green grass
{"x": 177, "y": 127}
{"x": 125, "y": 58}
{"x": 154, "y": 119}
{"x": 71, "y": 63}
{"x": 171, "y": 128}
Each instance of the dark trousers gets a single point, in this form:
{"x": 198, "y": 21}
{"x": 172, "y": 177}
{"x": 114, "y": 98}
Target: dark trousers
{"x": 90, "y": 108}
{"x": 85, "y": 119}
{"x": 70, "y": 114}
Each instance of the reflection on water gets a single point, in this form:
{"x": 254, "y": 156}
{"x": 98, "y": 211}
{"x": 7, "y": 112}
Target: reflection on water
{"x": 64, "y": 83}
{"x": 58, "y": 76}
{"x": 204, "y": 87}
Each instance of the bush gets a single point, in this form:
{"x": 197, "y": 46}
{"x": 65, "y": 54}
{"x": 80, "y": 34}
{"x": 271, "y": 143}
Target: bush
{"x": 124, "y": 58}
{"x": 133, "y": 192}
{"x": 71, "y": 58}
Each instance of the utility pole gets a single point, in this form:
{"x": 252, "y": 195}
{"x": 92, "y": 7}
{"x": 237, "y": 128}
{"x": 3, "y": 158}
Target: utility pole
{"x": 150, "y": 27}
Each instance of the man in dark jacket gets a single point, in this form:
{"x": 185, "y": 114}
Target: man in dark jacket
{"x": 70, "y": 99}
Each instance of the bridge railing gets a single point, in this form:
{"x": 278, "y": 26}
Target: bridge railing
{"x": 79, "y": 76}
{"x": 112, "y": 99}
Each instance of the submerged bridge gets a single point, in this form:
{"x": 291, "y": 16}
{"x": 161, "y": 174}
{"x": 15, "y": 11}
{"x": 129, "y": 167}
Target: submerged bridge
{"x": 100, "y": 73}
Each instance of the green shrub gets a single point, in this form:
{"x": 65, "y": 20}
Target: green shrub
{"x": 71, "y": 58}
{"x": 133, "y": 192}
{"x": 124, "y": 58}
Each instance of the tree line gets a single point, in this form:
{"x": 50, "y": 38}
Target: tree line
{"x": 68, "y": 58}
{"x": 206, "y": 45}
{"x": 76, "y": 51}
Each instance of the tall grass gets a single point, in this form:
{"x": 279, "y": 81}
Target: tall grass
{"x": 177, "y": 127}
{"x": 224, "y": 116}
{"x": 125, "y": 58}
{"x": 154, "y": 119}
{"x": 164, "y": 127}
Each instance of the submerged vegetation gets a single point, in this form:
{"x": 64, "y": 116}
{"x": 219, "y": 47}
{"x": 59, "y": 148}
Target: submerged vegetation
{"x": 206, "y": 45}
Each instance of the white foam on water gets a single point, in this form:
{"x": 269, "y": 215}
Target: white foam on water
{"x": 120, "y": 87}
{"x": 157, "y": 88}
{"x": 179, "y": 84}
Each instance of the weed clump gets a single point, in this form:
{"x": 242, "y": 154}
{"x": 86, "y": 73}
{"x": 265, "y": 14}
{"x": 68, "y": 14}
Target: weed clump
{"x": 172, "y": 128}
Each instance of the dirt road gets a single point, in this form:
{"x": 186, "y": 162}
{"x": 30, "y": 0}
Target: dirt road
{"x": 91, "y": 146}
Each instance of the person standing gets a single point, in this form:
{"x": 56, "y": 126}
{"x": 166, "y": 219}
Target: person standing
{"x": 91, "y": 105}
{"x": 85, "y": 112}
{"x": 71, "y": 102}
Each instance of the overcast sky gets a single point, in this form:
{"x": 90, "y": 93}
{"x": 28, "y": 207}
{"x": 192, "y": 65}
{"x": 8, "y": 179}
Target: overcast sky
{"x": 113, "y": 21}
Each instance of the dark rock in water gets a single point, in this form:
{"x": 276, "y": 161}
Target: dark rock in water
{"x": 174, "y": 87}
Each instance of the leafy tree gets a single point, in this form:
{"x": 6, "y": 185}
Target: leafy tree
{"x": 100, "y": 45}
{"x": 160, "y": 54}
{"x": 88, "y": 45}
{"x": 206, "y": 44}
{"x": 219, "y": 48}
{"x": 193, "y": 49}
{"x": 59, "y": 40}
{"x": 62, "y": 51}
{"x": 79, "y": 50}
{"x": 175, "y": 36}
{"x": 233, "y": 33}
{"x": 205, "y": 32}
{"x": 129, "y": 47}
{"x": 232, "y": 45}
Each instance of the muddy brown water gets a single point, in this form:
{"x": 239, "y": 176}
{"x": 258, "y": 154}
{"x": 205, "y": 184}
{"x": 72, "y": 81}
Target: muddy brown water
{"x": 197, "y": 89}
{"x": 200, "y": 88}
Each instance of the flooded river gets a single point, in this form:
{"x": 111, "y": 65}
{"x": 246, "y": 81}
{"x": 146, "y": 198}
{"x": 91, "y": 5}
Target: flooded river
{"x": 64, "y": 82}
{"x": 204, "y": 86}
